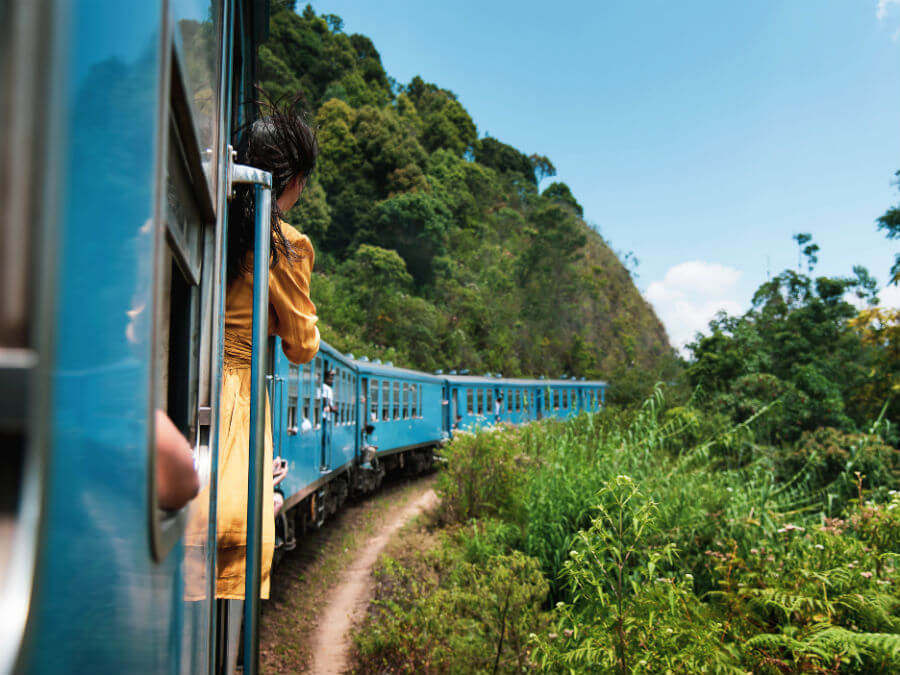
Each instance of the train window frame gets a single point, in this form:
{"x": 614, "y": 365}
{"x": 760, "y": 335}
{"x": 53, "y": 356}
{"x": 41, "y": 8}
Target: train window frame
{"x": 339, "y": 398}
{"x": 293, "y": 398}
{"x": 395, "y": 407}
{"x": 183, "y": 296}
{"x": 306, "y": 396}
{"x": 385, "y": 400}
{"x": 404, "y": 409}
{"x": 414, "y": 400}
{"x": 317, "y": 392}
{"x": 373, "y": 399}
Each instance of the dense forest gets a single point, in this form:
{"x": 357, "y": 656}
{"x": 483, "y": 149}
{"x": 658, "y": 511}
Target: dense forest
{"x": 437, "y": 248}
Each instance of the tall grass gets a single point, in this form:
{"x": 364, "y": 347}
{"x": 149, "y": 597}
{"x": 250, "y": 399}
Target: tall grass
{"x": 733, "y": 532}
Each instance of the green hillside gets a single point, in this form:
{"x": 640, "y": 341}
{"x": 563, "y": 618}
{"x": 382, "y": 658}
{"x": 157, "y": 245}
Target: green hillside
{"x": 435, "y": 248}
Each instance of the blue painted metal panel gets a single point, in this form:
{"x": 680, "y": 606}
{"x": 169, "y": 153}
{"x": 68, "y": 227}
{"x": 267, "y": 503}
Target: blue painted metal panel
{"x": 103, "y": 604}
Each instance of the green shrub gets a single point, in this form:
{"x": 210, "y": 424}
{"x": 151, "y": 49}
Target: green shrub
{"x": 466, "y": 618}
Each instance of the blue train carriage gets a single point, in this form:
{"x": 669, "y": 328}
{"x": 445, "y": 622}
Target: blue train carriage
{"x": 387, "y": 419}
{"x": 479, "y": 401}
{"x": 320, "y": 448}
{"x": 401, "y": 416}
{"x": 116, "y": 117}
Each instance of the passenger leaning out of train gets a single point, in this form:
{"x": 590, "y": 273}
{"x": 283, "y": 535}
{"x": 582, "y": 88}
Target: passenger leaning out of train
{"x": 284, "y": 145}
{"x": 177, "y": 482}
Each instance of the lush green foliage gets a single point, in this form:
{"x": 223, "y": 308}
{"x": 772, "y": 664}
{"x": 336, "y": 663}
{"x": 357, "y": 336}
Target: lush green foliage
{"x": 671, "y": 540}
{"x": 487, "y": 273}
{"x": 804, "y": 345}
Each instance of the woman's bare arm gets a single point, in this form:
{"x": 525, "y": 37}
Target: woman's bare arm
{"x": 177, "y": 482}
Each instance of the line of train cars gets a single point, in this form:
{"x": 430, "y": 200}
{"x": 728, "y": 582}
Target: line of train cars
{"x": 388, "y": 418}
{"x": 117, "y": 121}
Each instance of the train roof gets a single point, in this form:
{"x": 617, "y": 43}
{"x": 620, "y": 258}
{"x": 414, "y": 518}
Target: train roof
{"x": 517, "y": 381}
{"x": 390, "y": 370}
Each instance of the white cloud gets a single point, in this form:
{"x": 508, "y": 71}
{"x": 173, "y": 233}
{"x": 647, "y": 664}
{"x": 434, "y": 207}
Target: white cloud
{"x": 890, "y": 296}
{"x": 690, "y": 295}
{"x": 884, "y": 6}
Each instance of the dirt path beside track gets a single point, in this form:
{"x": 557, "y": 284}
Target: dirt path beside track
{"x": 323, "y": 588}
{"x": 331, "y": 642}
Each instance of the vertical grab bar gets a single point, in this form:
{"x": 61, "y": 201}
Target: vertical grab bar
{"x": 262, "y": 184}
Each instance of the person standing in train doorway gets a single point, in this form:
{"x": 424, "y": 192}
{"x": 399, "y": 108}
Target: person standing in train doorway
{"x": 328, "y": 408}
{"x": 283, "y": 144}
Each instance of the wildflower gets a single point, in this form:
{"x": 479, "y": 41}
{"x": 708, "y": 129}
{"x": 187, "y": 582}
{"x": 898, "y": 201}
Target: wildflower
{"x": 553, "y": 636}
{"x": 892, "y": 506}
{"x": 851, "y": 565}
{"x": 532, "y": 636}
{"x": 770, "y": 558}
{"x": 689, "y": 577}
{"x": 754, "y": 551}
{"x": 729, "y": 489}
{"x": 568, "y": 632}
{"x": 560, "y": 605}
{"x": 669, "y": 630}
{"x": 867, "y": 575}
{"x": 820, "y": 547}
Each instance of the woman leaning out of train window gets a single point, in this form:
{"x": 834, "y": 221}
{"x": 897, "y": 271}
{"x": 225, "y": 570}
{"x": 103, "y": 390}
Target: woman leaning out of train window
{"x": 284, "y": 145}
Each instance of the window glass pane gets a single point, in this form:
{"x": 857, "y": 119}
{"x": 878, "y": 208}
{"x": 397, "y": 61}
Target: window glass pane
{"x": 317, "y": 407}
{"x": 373, "y": 401}
{"x": 405, "y": 407}
{"x": 396, "y": 406}
{"x": 386, "y": 401}
{"x": 480, "y": 395}
{"x": 305, "y": 389}
{"x": 197, "y": 24}
{"x": 414, "y": 398}
{"x": 469, "y": 402}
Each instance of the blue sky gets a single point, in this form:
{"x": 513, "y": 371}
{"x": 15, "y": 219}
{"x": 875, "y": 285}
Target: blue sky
{"x": 699, "y": 135}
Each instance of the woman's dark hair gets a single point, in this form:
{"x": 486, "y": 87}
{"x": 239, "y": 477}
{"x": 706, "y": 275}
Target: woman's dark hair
{"x": 283, "y": 144}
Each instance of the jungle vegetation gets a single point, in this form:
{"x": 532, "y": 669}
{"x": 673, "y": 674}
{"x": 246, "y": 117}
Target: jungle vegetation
{"x": 437, "y": 248}
{"x": 744, "y": 518}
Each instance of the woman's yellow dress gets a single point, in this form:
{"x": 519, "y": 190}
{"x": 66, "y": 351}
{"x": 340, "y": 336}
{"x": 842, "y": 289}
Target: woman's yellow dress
{"x": 292, "y": 315}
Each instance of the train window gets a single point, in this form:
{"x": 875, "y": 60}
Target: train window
{"x": 197, "y": 38}
{"x": 385, "y": 400}
{"x": 346, "y": 397}
{"x": 414, "y": 397}
{"x": 317, "y": 384}
{"x": 565, "y": 398}
{"x": 454, "y": 411}
{"x": 396, "y": 405}
{"x": 469, "y": 402}
{"x": 338, "y": 416}
{"x": 373, "y": 401}
{"x": 292, "y": 398}
{"x": 342, "y": 401}
{"x": 405, "y": 407}
{"x": 305, "y": 387}
{"x": 352, "y": 416}
{"x": 556, "y": 399}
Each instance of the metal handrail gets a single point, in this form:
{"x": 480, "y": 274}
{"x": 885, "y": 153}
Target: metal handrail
{"x": 262, "y": 182}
